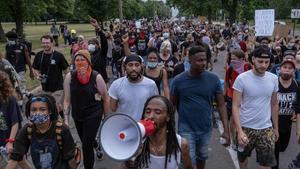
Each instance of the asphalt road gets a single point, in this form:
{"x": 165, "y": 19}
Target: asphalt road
{"x": 220, "y": 157}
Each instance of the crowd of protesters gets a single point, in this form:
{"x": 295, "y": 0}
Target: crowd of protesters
{"x": 151, "y": 70}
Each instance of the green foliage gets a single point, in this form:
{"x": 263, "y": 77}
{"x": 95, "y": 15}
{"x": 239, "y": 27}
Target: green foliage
{"x": 235, "y": 8}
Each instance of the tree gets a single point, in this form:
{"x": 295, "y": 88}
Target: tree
{"x": 4, "y": 16}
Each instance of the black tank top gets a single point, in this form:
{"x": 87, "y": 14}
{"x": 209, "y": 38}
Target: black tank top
{"x": 85, "y": 98}
{"x": 157, "y": 80}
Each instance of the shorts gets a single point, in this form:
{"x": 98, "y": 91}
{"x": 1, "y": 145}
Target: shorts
{"x": 22, "y": 82}
{"x": 263, "y": 141}
{"x": 198, "y": 143}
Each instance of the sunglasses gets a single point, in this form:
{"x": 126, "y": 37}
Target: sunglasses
{"x": 39, "y": 99}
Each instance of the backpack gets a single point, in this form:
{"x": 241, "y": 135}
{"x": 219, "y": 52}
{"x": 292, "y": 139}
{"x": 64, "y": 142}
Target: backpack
{"x": 58, "y": 130}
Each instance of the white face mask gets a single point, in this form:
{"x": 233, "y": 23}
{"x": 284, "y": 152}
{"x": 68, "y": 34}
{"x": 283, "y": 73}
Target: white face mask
{"x": 91, "y": 47}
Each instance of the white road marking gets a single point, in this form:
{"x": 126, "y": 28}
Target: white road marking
{"x": 232, "y": 153}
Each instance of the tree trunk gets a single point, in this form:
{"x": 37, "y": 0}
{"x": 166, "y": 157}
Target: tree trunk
{"x": 231, "y": 8}
{"x": 232, "y": 11}
{"x": 2, "y": 34}
{"x": 209, "y": 15}
{"x": 18, "y": 14}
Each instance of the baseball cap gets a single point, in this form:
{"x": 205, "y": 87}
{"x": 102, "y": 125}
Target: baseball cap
{"x": 289, "y": 53}
{"x": 262, "y": 52}
{"x": 133, "y": 58}
{"x": 288, "y": 61}
{"x": 11, "y": 35}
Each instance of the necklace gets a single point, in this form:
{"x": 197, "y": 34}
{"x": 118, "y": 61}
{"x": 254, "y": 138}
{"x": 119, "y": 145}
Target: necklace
{"x": 158, "y": 150}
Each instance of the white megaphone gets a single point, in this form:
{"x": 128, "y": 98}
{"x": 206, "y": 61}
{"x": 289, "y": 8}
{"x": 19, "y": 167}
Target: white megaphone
{"x": 121, "y": 136}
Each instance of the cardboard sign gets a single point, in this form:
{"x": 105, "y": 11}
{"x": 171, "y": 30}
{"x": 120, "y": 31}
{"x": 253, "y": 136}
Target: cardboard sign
{"x": 281, "y": 30}
{"x": 295, "y": 13}
{"x": 264, "y": 22}
{"x": 202, "y": 18}
{"x": 138, "y": 24}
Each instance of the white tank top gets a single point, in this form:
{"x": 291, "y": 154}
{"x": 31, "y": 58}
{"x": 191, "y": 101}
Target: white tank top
{"x": 158, "y": 162}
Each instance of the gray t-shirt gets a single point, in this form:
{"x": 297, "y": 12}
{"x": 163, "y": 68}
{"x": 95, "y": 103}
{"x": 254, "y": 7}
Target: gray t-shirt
{"x": 255, "y": 111}
{"x": 132, "y": 96}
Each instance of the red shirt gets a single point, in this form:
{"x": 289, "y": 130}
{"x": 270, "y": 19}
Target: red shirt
{"x": 229, "y": 79}
{"x": 243, "y": 46}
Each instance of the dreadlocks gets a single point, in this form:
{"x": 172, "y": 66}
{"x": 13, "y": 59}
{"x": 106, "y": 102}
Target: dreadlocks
{"x": 172, "y": 145}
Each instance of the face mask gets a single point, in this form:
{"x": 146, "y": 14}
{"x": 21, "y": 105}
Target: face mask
{"x": 166, "y": 35}
{"x": 83, "y": 71}
{"x": 11, "y": 42}
{"x": 152, "y": 65}
{"x": 285, "y": 76}
{"x": 39, "y": 118}
{"x": 92, "y": 48}
{"x": 237, "y": 65}
{"x": 240, "y": 37}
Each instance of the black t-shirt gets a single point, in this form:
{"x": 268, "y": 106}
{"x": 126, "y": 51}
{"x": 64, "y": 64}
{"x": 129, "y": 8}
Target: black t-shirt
{"x": 44, "y": 147}
{"x": 286, "y": 97}
{"x": 15, "y": 54}
{"x": 9, "y": 115}
{"x": 170, "y": 62}
{"x": 52, "y": 65}
{"x": 142, "y": 46}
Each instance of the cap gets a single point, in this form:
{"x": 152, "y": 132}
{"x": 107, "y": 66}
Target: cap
{"x": 81, "y": 37}
{"x": 11, "y": 35}
{"x": 73, "y": 31}
{"x": 261, "y": 38}
{"x": 262, "y": 52}
{"x": 289, "y": 53}
{"x": 220, "y": 45}
{"x": 133, "y": 58}
{"x": 85, "y": 54}
{"x": 288, "y": 61}
{"x": 94, "y": 41}
{"x": 203, "y": 31}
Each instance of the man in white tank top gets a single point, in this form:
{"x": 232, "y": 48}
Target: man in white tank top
{"x": 164, "y": 149}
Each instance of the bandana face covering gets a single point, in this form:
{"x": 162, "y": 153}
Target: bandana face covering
{"x": 237, "y": 65}
{"x": 83, "y": 71}
{"x": 39, "y": 118}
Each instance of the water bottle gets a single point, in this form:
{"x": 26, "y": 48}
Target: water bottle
{"x": 3, "y": 157}
{"x": 222, "y": 140}
{"x": 241, "y": 148}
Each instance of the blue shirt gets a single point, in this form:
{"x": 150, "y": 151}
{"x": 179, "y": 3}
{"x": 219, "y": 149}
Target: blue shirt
{"x": 195, "y": 96}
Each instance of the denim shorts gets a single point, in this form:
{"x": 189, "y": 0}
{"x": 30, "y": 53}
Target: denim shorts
{"x": 198, "y": 143}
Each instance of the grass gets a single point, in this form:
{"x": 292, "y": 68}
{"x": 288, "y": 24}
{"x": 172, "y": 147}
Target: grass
{"x": 34, "y": 32}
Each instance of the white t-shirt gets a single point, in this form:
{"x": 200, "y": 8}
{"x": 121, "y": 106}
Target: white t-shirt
{"x": 132, "y": 96}
{"x": 255, "y": 111}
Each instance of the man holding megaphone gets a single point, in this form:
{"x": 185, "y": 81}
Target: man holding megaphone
{"x": 164, "y": 148}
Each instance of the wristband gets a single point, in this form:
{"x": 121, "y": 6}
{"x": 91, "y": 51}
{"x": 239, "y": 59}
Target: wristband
{"x": 10, "y": 140}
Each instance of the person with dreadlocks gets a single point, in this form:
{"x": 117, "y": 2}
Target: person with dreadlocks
{"x": 164, "y": 148}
